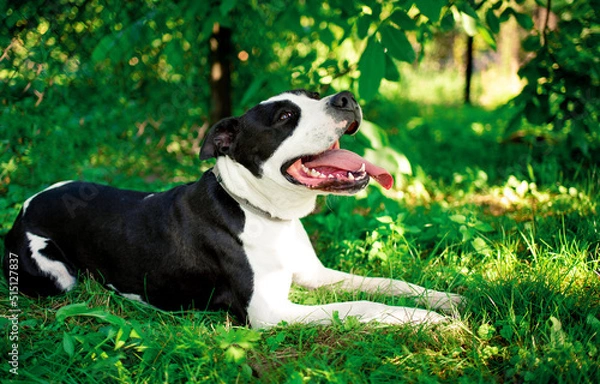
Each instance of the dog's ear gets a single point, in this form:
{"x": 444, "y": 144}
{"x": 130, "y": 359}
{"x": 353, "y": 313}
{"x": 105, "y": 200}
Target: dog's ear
{"x": 219, "y": 138}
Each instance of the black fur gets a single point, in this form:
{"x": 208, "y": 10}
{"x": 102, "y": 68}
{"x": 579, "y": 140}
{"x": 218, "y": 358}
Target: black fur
{"x": 176, "y": 249}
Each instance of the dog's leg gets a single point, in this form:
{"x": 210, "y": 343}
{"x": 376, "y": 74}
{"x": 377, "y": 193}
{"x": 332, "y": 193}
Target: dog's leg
{"x": 37, "y": 263}
{"x": 328, "y": 277}
{"x": 310, "y": 273}
{"x": 270, "y": 304}
{"x": 264, "y": 313}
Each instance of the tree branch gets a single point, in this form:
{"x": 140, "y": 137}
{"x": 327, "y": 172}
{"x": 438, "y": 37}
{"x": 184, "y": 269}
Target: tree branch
{"x": 545, "y": 25}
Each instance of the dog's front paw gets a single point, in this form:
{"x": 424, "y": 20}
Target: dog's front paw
{"x": 445, "y": 302}
{"x": 404, "y": 315}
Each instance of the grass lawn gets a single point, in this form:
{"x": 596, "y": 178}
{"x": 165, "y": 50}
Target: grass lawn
{"x": 510, "y": 224}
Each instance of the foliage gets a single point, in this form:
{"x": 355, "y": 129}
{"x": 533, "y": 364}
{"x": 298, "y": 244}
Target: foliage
{"x": 103, "y": 78}
{"x": 116, "y": 92}
{"x": 563, "y": 79}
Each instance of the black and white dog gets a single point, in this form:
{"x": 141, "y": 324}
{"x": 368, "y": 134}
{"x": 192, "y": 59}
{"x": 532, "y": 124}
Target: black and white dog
{"x": 233, "y": 240}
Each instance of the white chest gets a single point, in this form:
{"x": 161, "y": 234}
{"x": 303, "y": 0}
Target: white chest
{"x": 274, "y": 250}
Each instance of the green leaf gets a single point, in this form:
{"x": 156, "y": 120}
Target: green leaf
{"x": 235, "y": 354}
{"x": 295, "y": 378}
{"x": 376, "y": 8}
{"x": 372, "y": 69}
{"x": 557, "y": 335}
{"x": 593, "y": 321}
{"x": 524, "y": 20}
{"x": 397, "y": 44}
{"x": 402, "y": 20}
{"x": 122, "y": 336}
{"x": 385, "y": 219}
{"x": 326, "y": 36}
{"x": 375, "y": 135}
{"x": 531, "y": 43}
{"x": 486, "y": 331}
{"x": 492, "y": 21}
{"x": 460, "y": 219}
{"x": 505, "y": 15}
{"x": 362, "y": 26}
{"x": 465, "y": 7}
{"x": 481, "y": 247}
{"x": 483, "y": 227}
{"x": 447, "y": 22}
{"x": 391, "y": 70}
{"x": 467, "y": 233}
{"x": 430, "y": 8}
{"x": 412, "y": 229}
{"x": 487, "y": 36}
{"x": 81, "y": 309}
{"x": 68, "y": 344}
{"x": 226, "y": 6}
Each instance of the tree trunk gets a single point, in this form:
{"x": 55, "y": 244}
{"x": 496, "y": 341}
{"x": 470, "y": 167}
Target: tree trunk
{"x": 468, "y": 69}
{"x": 221, "y": 51}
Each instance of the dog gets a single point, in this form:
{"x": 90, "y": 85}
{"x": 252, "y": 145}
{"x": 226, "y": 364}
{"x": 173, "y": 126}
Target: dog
{"x": 232, "y": 240}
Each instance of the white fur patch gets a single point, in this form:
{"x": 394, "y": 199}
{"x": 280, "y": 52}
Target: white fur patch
{"x": 53, "y": 268}
{"x": 317, "y": 130}
{"x": 130, "y": 296}
{"x": 270, "y": 246}
{"x": 134, "y": 297}
{"x": 275, "y": 195}
{"x": 280, "y": 251}
{"x": 53, "y": 186}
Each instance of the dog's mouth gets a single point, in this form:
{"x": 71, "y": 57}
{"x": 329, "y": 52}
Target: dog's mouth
{"x": 336, "y": 170}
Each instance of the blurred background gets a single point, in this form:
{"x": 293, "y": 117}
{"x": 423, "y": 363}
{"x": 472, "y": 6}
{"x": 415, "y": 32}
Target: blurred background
{"x": 124, "y": 92}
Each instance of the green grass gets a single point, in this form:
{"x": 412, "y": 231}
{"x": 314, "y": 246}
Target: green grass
{"x": 512, "y": 226}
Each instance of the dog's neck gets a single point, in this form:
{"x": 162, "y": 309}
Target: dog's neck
{"x": 263, "y": 196}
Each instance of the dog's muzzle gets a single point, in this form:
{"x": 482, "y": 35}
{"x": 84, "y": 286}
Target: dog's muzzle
{"x": 337, "y": 170}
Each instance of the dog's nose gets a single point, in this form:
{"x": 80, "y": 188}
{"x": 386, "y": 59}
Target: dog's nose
{"x": 343, "y": 100}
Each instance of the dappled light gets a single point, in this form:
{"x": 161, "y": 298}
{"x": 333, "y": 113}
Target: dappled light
{"x": 485, "y": 113}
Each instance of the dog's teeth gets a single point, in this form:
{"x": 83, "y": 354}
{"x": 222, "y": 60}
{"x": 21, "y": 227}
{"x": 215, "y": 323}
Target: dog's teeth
{"x": 330, "y": 176}
{"x": 350, "y": 176}
{"x": 362, "y": 168}
{"x": 314, "y": 173}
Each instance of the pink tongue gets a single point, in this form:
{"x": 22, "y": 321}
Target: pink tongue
{"x": 350, "y": 161}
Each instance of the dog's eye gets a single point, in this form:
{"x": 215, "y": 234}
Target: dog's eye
{"x": 285, "y": 115}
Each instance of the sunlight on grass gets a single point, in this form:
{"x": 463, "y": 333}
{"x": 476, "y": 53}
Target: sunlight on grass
{"x": 501, "y": 220}
{"x": 485, "y": 204}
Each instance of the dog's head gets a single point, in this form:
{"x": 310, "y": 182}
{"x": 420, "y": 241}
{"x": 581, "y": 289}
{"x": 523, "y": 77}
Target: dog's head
{"x": 292, "y": 139}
